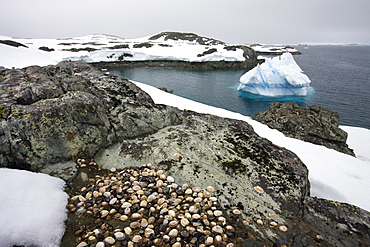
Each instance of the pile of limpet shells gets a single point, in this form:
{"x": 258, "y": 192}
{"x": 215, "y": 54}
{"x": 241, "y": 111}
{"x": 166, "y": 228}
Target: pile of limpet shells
{"x": 151, "y": 209}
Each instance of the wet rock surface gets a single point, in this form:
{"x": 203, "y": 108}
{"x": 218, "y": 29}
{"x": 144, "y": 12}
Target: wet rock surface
{"x": 316, "y": 124}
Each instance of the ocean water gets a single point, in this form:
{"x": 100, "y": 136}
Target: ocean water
{"x": 340, "y": 78}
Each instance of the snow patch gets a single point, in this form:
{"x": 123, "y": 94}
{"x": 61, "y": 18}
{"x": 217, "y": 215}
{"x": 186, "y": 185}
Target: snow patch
{"x": 32, "y": 209}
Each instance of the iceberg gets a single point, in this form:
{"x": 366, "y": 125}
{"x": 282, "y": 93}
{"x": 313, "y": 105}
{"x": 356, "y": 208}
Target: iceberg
{"x": 277, "y": 76}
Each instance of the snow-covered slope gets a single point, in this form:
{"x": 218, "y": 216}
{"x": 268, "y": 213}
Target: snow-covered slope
{"x": 98, "y": 48}
{"x": 107, "y": 48}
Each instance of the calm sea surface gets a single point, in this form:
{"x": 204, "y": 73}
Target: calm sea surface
{"x": 340, "y": 78}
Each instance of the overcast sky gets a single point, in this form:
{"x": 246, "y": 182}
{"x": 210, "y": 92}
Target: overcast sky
{"x": 233, "y": 21}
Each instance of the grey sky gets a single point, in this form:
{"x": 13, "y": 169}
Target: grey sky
{"x": 233, "y": 21}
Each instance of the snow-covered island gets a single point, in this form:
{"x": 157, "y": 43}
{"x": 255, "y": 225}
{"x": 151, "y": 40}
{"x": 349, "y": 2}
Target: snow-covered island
{"x": 166, "y": 46}
{"x": 33, "y": 205}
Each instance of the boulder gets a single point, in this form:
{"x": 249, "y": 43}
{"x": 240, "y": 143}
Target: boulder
{"x": 56, "y": 113}
{"x": 316, "y": 124}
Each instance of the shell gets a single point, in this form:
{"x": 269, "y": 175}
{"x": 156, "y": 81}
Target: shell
{"x": 147, "y": 200}
{"x": 119, "y": 235}
{"x": 283, "y": 228}
{"x": 258, "y": 189}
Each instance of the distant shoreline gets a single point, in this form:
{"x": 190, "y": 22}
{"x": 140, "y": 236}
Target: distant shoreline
{"x": 179, "y": 64}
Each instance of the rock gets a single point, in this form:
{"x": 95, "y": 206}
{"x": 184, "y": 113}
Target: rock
{"x": 333, "y": 224}
{"x": 55, "y": 113}
{"x": 12, "y": 43}
{"x": 45, "y": 48}
{"x": 188, "y": 37}
{"x": 64, "y": 170}
{"x": 316, "y": 124}
{"x": 70, "y": 110}
{"x": 254, "y": 177}
{"x": 226, "y": 154}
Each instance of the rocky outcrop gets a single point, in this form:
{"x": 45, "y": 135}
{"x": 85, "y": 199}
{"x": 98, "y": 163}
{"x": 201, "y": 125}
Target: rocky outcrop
{"x": 266, "y": 183}
{"x": 51, "y": 114}
{"x": 186, "y": 37}
{"x": 247, "y": 64}
{"x": 70, "y": 111}
{"x": 249, "y": 173}
{"x": 316, "y": 124}
{"x": 12, "y": 43}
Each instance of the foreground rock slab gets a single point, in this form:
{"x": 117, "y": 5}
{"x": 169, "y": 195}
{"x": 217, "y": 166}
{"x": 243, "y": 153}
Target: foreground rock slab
{"x": 265, "y": 185}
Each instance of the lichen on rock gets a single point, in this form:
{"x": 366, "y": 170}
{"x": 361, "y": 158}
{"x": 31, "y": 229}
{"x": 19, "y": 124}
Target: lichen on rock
{"x": 55, "y": 113}
{"x": 316, "y": 124}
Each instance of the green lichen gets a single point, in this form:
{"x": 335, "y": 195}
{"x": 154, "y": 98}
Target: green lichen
{"x": 233, "y": 166}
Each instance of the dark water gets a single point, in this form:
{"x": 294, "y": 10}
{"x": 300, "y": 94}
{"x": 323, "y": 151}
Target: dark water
{"x": 340, "y": 78}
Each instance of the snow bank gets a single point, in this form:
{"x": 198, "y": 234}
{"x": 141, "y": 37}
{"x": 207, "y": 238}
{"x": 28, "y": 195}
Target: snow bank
{"x": 333, "y": 175}
{"x": 32, "y": 209}
{"x": 22, "y": 57}
{"x": 277, "y": 76}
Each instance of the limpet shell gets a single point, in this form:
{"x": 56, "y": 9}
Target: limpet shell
{"x": 126, "y": 205}
{"x": 109, "y": 240}
{"x": 217, "y": 229}
{"x": 82, "y": 244}
{"x": 283, "y": 228}
{"x": 170, "y": 179}
{"x": 273, "y": 224}
{"x": 217, "y": 213}
{"x": 104, "y": 213}
{"x": 128, "y": 230}
{"x": 258, "y": 189}
{"x": 124, "y": 218}
{"x": 137, "y": 238}
{"x": 209, "y": 241}
{"x": 173, "y": 233}
{"x": 135, "y": 216}
{"x": 236, "y": 211}
{"x": 218, "y": 239}
{"x": 210, "y": 189}
{"x": 184, "y": 222}
{"x": 177, "y": 244}
{"x": 259, "y": 222}
{"x": 148, "y": 232}
{"x": 173, "y": 223}
{"x": 119, "y": 235}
